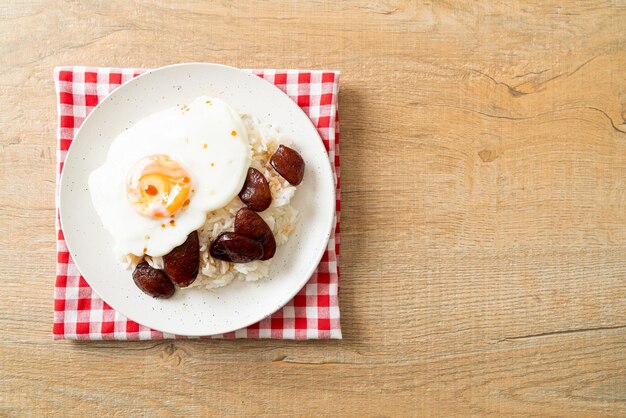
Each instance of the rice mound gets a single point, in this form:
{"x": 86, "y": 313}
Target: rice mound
{"x": 281, "y": 217}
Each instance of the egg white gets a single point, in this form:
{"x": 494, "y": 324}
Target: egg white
{"x": 200, "y": 137}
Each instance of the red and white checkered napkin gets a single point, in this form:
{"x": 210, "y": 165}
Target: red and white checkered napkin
{"x": 80, "y": 314}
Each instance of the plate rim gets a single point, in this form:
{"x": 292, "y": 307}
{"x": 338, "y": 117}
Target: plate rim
{"x": 326, "y": 162}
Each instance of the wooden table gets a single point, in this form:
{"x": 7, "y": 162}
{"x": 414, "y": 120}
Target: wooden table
{"x": 484, "y": 210}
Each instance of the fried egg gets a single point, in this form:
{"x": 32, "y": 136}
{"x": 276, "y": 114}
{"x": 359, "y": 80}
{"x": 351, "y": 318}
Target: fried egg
{"x": 165, "y": 173}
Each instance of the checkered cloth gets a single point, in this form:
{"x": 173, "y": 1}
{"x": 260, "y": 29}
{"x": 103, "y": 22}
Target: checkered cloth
{"x": 78, "y": 311}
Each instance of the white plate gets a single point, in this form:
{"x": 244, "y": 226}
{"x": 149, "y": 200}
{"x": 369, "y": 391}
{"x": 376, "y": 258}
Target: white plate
{"x": 196, "y": 312}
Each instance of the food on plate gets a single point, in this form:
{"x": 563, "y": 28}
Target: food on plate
{"x": 180, "y": 191}
{"x": 251, "y": 225}
{"x": 256, "y": 192}
{"x": 289, "y": 164}
{"x": 165, "y": 173}
{"x": 182, "y": 263}
{"x": 152, "y": 281}
{"x": 236, "y": 248}
{"x": 281, "y": 216}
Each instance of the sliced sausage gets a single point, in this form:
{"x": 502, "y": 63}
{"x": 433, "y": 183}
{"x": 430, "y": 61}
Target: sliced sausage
{"x": 182, "y": 263}
{"x": 230, "y": 246}
{"x": 289, "y": 164}
{"x": 153, "y": 282}
{"x": 251, "y": 225}
{"x": 256, "y": 192}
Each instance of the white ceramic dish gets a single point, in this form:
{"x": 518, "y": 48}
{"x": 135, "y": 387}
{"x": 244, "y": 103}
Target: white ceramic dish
{"x": 196, "y": 312}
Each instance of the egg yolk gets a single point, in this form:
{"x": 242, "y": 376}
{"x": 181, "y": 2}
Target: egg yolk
{"x": 158, "y": 186}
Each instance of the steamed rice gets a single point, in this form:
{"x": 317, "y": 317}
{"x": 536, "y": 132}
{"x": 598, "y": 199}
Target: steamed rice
{"x": 281, "y": 217}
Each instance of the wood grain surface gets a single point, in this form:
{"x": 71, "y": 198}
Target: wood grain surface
{"x": 484, "y": 210}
